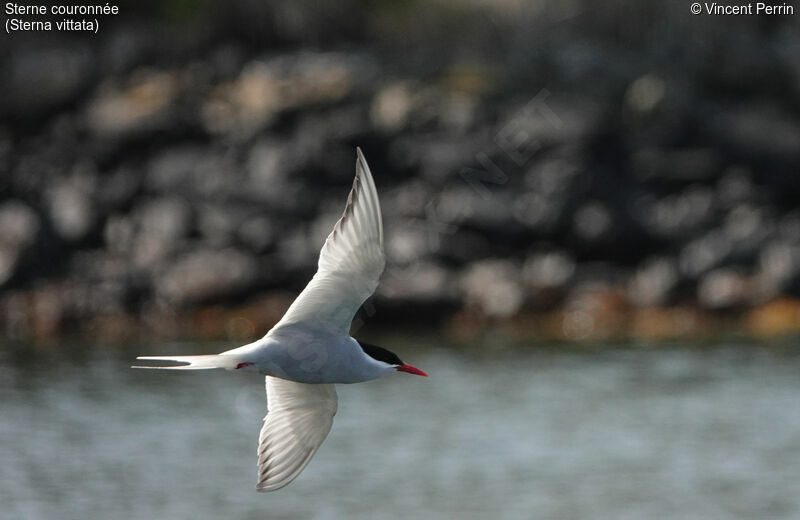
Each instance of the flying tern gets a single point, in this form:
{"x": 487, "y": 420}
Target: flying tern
{"x": 310, "y": 349}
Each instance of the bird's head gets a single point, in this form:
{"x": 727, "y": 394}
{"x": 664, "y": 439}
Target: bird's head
{"x": 389, "y": 357}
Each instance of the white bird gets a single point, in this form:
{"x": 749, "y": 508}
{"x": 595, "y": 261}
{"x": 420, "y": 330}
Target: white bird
{"x": 310, "y": 349}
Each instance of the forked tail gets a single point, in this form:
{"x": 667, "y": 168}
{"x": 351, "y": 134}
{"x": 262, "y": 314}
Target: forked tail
{"x": 204, "y": 362}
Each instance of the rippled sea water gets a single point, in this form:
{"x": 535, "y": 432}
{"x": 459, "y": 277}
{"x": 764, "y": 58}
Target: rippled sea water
{"x": 679, "y": 433}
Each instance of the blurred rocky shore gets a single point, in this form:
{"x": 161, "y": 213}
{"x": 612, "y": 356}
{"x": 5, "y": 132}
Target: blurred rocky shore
{"x": 544, "y": 170}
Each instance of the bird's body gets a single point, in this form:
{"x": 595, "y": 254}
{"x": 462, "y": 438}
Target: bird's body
{"x": 305, "y": 354}
{"x": 310, "y": 348}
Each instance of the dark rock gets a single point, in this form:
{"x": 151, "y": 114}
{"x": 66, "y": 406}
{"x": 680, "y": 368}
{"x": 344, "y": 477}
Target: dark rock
{"x": 71, "y": 209}
{"x": 19, "y": 225}
{"x": 679, "y": 215}
{"x": 459, "y": 203}
{"x": 548, "y": 269}
{"x": 145, "y": 104}
{"x": 778, "y": 269}
{"x": 682, "y": 165}
{"x": 723, "y": 288}
{"x": 645, "y": 94}
{"x": 294, "y": 251}
{"x": 119, "y": 187}
{"x": 257, "y": 233}
{"x": 653, "y": 283}
{"x": 19, "y": 231}
{"x": 59, "y": 73}
{"x": 268, "y": 164}
{"x": 593, "y": 309}
{"x": 761, "y": 129}
{"x": 206, "y": 275}
{"x": 8, "y": 264}
{"x": 32, "y": 175}
{"x": 538, "y": 212}
{"x": 542, "y": 121}
{"x": 420, "y": 282}
{"x": 391, "y": 106}
{"x": 409, "y": 242}
{"x": 493, "y": 287}
{"x": 744, "y": 221}
{"x": 191, "y": 169}
{"x": 438, "y": 158}
{"x": 406, "y": 200}
{"x": 789, "y": 227}
{"x": 98, "y": 265}
{"x": 552, "y": 175}
{"x": 124, "y": 48}
{"x": 705, "y": 253}
{"x": 166, "y": 219}
{"x": 100, "y": 284}
{"x": 265, "y": 88}
{"x": 598, "y": 274}
{"x": 227, "y": 59}
{"x": 748, "y": 227}
{"x": 80, "y": 300}
{"x": 218, "y": 224}
{"x": 118, "y": 234}
{"x": 155, "y": 232}
{"x": 787, "y": 44}
{"x": 736, "y": 187}
{"x": 271, "y": 172}
{"x": 461, "y": 246}
{"x": 401, "y": 104}
{"x": 593, "y": 222}
{"x": 319, "y": 229}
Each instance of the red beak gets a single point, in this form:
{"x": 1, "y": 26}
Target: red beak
{"x": 405, "y": 367}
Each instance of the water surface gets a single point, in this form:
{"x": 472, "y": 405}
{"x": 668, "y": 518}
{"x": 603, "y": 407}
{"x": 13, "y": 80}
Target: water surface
{"x": 679, "y": 433}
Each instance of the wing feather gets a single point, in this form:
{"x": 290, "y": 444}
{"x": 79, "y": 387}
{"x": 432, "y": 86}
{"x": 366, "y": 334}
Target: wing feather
{"x": 299, "y": 418}
{"x": 350, "y": 263}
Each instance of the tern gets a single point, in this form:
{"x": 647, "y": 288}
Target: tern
{"x": 310, "y": 349}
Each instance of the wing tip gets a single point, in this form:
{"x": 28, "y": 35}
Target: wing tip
{"x": 266, "y": 488}
{"x": 362, "y": 168}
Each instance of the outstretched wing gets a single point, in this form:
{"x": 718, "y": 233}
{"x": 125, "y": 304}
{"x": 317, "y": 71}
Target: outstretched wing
{"x": 350, "y": 263}
{"x": 298, "y": 419}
